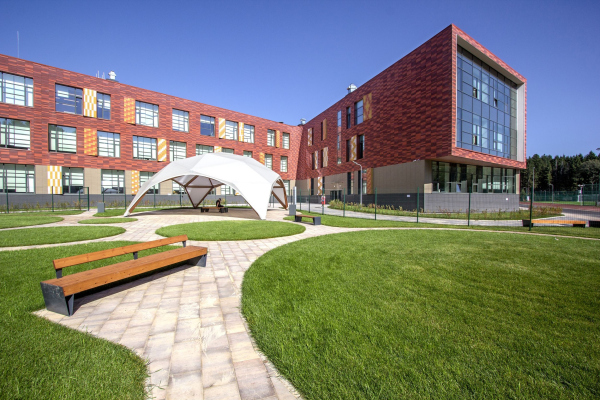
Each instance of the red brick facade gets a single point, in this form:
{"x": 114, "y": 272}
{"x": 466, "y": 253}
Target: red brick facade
{"x": 413, "y": 113}
{"x": 43, "y": 113}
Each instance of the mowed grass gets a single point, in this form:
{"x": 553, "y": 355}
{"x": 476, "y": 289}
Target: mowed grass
{"x": 15, "y": 220}
{"x": 107, "y": 220}
{"x": 430, "y": 314}
{"x": 58, "y": 234}
{"x": 43, "y": 360}
{"x": 351, "y": 222}
{"x": 232, "y": 230}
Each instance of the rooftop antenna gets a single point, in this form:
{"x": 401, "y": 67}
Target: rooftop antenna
{"x": 18, "y": 54}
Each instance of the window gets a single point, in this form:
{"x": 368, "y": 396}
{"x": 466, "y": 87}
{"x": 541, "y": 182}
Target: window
{"x": 144, "y": 148}
{"x": 270, "y": 137}
{"x": 62, "y": 138}
{"x": 14, "y": 133}
{"x": 349, "y": 183}
{"x": 360, "y": 151}
{"x": 226, "y": 189}
{"x": 72, "y": 180}
{"x": 247, "y": 153}
{"x": 146, "y": 114}
{"x": 69, "y": 99}
{"x": 207, "y": 125}
{"x": 177, "y": 150}
{"x": 248, "y": 133}
{"x": 269, "y": 161}
{"x": 231, "y": 130}
{"x": 224, "y": 150}
{"x": 15, "y": 89}
{"x": 202, "y": 149}
{"x": 16, "y": 178}
{"x": 177, "y": 188}
{"x": 284, "y": 164}
{"x": 322, "y": 131}
{"x": 103, "y": 105}
{"x": 348, "y": 150}
{"x": 181, "y": 121}
{"x": 144, "y": 177}
{"x": 286, "y": 185}
{"x": 113, "y": 181}
{"x": 313, "y": 162}
{"x": 348, "y": 116}
{"x": 286, "y": 140}
{"x": 323, "y": 161}
{"x": 339, "y": 118}
{"x": 358, "y": 112}
{"x": 109, "y": 144}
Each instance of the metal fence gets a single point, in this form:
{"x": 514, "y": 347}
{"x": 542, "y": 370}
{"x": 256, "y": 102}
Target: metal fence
{"x": 588, "y": 195}
{"x": 471, "y": 209}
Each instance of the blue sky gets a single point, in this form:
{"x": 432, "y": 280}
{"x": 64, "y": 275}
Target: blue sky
{"x": 286, "y": 60}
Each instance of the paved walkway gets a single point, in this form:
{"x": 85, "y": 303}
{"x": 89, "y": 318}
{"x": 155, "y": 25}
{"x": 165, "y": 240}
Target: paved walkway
{"x": 186, "y": 322}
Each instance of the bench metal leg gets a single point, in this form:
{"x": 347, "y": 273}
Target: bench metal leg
{"x": 297, "y": 218}
{"x": 317, "y": 221}
{"x": 199, "y": 261}
{"x": 56, "y": 301}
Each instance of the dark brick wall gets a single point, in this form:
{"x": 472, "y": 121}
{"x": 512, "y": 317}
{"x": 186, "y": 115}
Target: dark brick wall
{"x": 413, "y": 113}
{"x": 43, "y": 113}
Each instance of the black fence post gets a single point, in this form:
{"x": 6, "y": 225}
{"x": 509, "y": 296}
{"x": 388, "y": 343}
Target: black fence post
{"x": 344, "y": 214}
{"x": 7, "y": 203}
{"x": 154, "y": 195}
{"x": 300, "y": 197}
{"x": 531, "y": 209}
{"x": 469, "y": 210}
{"x": 124, "y": 198}
{"x": 79, "y": 196}
{"x": 88, "y": 198}
{"x": 52, "y": 198}
{"x": 375, "y": 204}
{"x": 418, "y": 204}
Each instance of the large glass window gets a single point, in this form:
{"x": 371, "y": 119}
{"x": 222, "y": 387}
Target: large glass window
{"x": 249, "y": 133}
{"x": 62, "y": 139}
{"x": 486, "y": 108}
{"x": 358, "y": 112}
{"x": 286, "y": 184}
{"x": 15, "y": 89}
{"x": 144, "y": 148}
{"x": 285, "y": 140}
{"x": 348, "y": 117}
{"x": 146, "y": 114}
{"x": 202, "y": 149}
{"x": 72, "y": 180}
{"x": 270, "y": 137}
{"x": 14, "y": 133}
{"x": 69, "y": 99}
{"x": 207, "y": 125}
{"x": 181, "y": 121}
{"x": 144, "y": 177}
{"x": 15, "y": 178}
{"x": 231, "y": 130}
{"x": 177, "y": 150}
{"x": 103, "y": 105}
{"x": 461, "y": 178}
{"x": 226, "y": 189}
{"x": 284, "y": 164}
{"x": 177, "y": 188}
{"x": 113, "y": 181}
{"x": 225, "y": 150}
{"x": 109, "y": 144}
{"x": 269, "y": 161}
{"x": 247, "y": 153}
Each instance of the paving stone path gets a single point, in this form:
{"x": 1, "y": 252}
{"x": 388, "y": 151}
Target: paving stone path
{"x": 186, "y": 321}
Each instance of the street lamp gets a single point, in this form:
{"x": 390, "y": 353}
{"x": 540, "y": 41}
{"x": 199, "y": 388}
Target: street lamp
{"x": 361, "y": 178}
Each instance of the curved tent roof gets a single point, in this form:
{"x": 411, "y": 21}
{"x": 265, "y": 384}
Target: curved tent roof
{"x": 200, "y": 174}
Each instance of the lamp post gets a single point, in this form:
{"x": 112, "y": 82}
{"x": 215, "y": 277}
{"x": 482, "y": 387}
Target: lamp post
{"x": 361, "y": 178}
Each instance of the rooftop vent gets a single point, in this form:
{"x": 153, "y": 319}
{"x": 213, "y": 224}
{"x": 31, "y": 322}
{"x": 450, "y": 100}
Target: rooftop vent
{"x": 351, "y": 88}
{"x": 302, "y": 121}
{"x": 112, "y": 76}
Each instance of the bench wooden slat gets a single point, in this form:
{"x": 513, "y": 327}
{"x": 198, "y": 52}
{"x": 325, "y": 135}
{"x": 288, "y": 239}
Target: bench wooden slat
{"x": 118, "y": 251}
{"x": 86, "y": 280}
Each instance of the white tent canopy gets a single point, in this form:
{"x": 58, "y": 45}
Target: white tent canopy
{"x": 201, "y": 174}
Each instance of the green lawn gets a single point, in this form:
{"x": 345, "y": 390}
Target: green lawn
{"x": 232, "y": 230}
{"x": 107, "y": 220}
{"x": 15, "y": 220}
{"x": 430, "y": 314}
{"x": 118, "y": 212}
{"x": 350, "y": 222}
{"x": 59, "y": 234}
{"x": 43, "y": 360}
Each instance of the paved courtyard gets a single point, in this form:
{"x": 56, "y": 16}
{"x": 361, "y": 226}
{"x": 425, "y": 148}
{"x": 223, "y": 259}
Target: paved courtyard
{"x": 186, "y": 321}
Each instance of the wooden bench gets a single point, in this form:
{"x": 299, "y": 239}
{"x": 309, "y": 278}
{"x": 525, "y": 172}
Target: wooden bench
{"x": 594, "y": 224}
{"x": 59, "y": 293}
{"x": 579, "y": 224}
{"x": 316, "y": 220}
{"x": 221, "y": 209}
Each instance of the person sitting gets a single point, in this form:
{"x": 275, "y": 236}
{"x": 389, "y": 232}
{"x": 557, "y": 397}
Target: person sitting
{"x": 219, "y": 203}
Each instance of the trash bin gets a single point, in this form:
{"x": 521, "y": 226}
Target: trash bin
{"x": 101, "y": 207}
